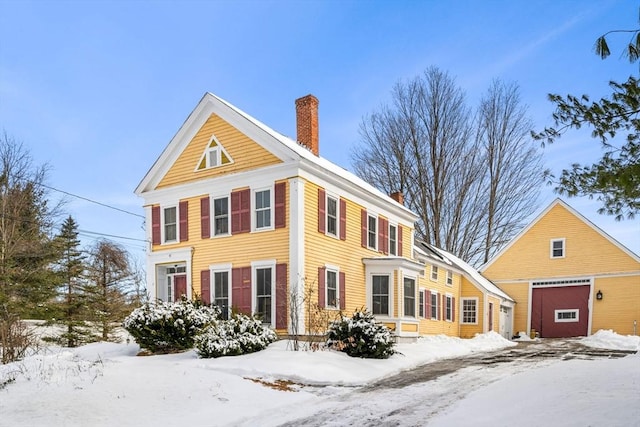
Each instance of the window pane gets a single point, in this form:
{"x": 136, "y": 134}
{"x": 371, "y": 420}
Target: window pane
{"x": 170, "y": 226}
{"x": 263, "y": 209}
{"x": 380, "y": 295}
{"x": 213, "y": 157}
{"x": 434, "y": 305}
{"x": 332, "y": 216}
{"x": 263, "y": 294}
{"x": 392, "y": 239}
{"x": 332, "y": 289}
{"x": 372, "y": 232}
{"x": 221, "y": 216}
{"x": 409, "y": 297}
{"x": 421, "y": 304}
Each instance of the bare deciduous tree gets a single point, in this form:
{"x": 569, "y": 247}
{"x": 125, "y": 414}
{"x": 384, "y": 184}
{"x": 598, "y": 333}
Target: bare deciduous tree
{"x": 454, "y": 172}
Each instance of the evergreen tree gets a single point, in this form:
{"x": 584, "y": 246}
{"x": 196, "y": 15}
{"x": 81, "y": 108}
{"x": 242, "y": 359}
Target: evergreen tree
{"x": 110, "y": 279}
{"x": 73, "y": 299}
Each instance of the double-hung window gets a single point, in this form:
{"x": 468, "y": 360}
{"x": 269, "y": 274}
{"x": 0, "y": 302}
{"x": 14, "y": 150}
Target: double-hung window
{"x": 372, "y": 232}
{"x": 434, "y": 305}
{"x": 221, "y": 216}
{"x": 332, "y": 289}
{"x": 421, "y": 303}
{"x": 262, "y": 209}
{"x": 557, "y": 248}
{"x": 263, "y": 278}
{"x": 171, "y": 224}
{"x": 221, "y": 292}
{"x": 469, "y": 310}
{"x": 448, "y": 309}
{"x": 434, "y": 273}
{"x": 409, "y": 297}
{"x": 380, "y": 295}
{"x": 332, "y": 216}
{"x": 449, "y": 277}
{"x": 393, "y": 240}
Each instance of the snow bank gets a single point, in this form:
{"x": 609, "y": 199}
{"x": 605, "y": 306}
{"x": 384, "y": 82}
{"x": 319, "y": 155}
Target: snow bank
{"x": 611, "y": 340}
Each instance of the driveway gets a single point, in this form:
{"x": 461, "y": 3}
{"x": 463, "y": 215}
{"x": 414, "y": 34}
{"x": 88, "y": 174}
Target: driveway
{"x": 429, "y": 389}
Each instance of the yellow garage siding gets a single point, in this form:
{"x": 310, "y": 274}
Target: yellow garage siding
{"x": 520, "y": 293}
{"x": 587, "y": 251}
{"x": 620, "y": 305}
{"x": 246, "y": 154}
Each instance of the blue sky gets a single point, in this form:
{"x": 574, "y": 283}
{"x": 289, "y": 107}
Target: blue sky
{"x": 96, "y": 89}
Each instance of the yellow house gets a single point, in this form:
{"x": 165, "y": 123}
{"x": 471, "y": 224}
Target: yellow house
{"x": 245, "y": 217}
{"x": 459, "y": 301}
{"x": 568, "y": 277}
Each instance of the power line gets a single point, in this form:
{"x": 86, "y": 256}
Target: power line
{"x": 77, "y": 196}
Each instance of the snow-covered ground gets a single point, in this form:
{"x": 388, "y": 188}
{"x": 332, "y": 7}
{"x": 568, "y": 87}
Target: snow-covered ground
{"x": 106, "y": 384}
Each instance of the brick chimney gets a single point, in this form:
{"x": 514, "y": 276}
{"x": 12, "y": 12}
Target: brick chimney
{"x": 307, "y": 123}
{"x": 398, "y": 197}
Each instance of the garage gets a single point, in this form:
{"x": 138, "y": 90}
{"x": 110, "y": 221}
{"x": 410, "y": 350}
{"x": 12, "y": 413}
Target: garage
{"x": 560, "y": 309}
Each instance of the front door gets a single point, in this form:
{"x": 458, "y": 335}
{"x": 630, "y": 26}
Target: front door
{"x": 180, "y": 286}
{"x": 490, "y": 316}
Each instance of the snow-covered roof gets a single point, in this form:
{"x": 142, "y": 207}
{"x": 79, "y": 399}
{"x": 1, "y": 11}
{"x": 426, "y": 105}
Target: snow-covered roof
{"x": 472, "y": 274}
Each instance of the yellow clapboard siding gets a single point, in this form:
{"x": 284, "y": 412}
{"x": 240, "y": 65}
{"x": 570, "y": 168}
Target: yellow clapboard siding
{"x": 520, "y": 293}
{"x": 471, "y": 291}
{"x": 587, "y": 252}
{"x": 408, "y": 327}
{"x": 620, "y": 304}
{"x": 246, "y": 154}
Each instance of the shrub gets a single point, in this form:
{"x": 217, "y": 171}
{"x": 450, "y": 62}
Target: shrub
{"x": 361, "y": 336}
{"x": 240, "y": 334}
{"x": 165, "y": 327}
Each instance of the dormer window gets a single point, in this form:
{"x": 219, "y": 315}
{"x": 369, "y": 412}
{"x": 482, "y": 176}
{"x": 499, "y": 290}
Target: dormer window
{"x": 214, "y": 156}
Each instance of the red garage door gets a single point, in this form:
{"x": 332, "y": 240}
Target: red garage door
{"x": 558, "y": 312}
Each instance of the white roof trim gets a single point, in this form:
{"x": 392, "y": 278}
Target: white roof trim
{"x": 281, "y": 146}
{"x": 578, "y": 215}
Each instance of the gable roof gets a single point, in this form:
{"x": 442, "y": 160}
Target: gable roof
{"x": 542, "y": 214}
{"x": 281, "y": 146}
{"x": 430, "y": 251}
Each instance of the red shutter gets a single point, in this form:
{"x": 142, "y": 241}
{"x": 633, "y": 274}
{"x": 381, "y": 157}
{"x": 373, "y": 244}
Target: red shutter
{"x": 453, "y": 309}
{"x": 205, "y": 219}
{"x": 281, "y": 296}
{"x": 241, "y": 289}
{"x": 399, "y": 240}
{"x": 205, "y": 286}
{"x": 280, "y": 208}
{"x": 343, "y": 290}
{"x": 321, "y": 292}
{"x": 183, "y": 207}
{"x": 155, "y": 225}
{"x": 427, "y": 304}
{"x": 240, "y": 211}
{"x": 363, "y": 228}
{"x": 343, "y": 219}
{"x": 322, "y": 212}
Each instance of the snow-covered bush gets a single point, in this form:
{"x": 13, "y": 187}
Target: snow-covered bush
{"x": 240, "y": 334}
{"x": 361, "y": 336}
{"x": 163, "y": 327}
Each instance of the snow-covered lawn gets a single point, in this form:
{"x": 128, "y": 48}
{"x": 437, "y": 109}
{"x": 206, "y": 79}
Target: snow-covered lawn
{"x": 106, "y": 384}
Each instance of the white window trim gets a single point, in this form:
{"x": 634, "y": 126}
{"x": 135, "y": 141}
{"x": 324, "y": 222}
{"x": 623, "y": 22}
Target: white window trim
{"x": 163, "y": 240}
{"x": 256, "y": 265}
{"x": 422, "y": 292}
{"x": 389, "y": 275}
{"x": 328, "y": 196}
{"x": 449, "y": 281}
{"x": 564, "y": 248}
{"x": 448, "y": 297}
{"x": 574, "y": 310}
{"x": 462, "y": 300}
{"x": 375, "y": 217}
{"x": 437, "y": 304}
{"x": 395, "y": 246}
{"x": 333, "y": 269}
{"x": 415, "y": 296}
{"x": 436, "y": 273}
{"x": 220, "y": 268}
{"x": 212, "y": 215}
{"x": 271, "y": 226}
{"x": 220, "y": 149}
